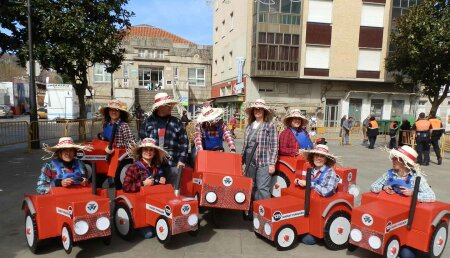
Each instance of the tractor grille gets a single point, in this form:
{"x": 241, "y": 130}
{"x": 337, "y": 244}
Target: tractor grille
{"x": 225, "y": 197}
{"x": 93, "y": 231}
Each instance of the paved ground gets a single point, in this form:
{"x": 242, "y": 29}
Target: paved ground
{"x": 19, "y": 171}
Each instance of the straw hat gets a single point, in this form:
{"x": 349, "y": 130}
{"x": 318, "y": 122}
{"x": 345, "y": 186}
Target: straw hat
{"x": 259, "y": 103}
{"x": 162, "y": 99}
{"x": 208, "y": 113}
{"x": 320, "y": 149}
{"x": 294, "y": 113}
{"x": 115, "y": 104}
{"x": 134, "y": 149}
{"x": 64, "y": 143}
{"x": 408, "y": 155}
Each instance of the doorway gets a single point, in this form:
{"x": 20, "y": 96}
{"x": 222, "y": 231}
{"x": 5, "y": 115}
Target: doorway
{"x": 354, "y": 109}
{"x": 332, "y": 112}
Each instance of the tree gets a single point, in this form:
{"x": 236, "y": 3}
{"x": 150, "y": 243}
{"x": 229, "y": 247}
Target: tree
{"x": 69, "y": 36}
{"x": 421, "y": 41}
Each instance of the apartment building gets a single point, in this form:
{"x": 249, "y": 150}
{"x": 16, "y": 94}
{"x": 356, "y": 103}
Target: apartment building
{"x": 156, "y": 59}
{"x": 322, "y": 56}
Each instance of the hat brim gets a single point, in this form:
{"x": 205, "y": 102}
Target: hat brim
{"x": 163, "y": 103}
{"x": 134, "y": 151}
{"x": 396, "y": 153}
{"x": 103, "y": 111}
{"x": 211, "y": 117}
{"x": 66, "y": 146}
{"x": 329, "y": 156}
{"x": 286, "y": 120}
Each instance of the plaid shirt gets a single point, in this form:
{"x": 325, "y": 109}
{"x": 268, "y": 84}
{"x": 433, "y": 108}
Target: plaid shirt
{"x": 175, "y": 139}
{"x": 124, "y": 136}
{"x": 48, "y": 174}
{"x": 135, "y": 175}
{"x": 213, "y": 131}
{"x": 426, "y": 194}
{"x": 267, "y": 151}
{"x": 328, "y": 184}
{"x": 289, "y": 145}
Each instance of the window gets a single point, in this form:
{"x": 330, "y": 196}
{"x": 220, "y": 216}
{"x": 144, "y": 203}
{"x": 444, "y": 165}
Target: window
{"x": 142, "y": 53}
{"x": 151, "y": 77}
{"x": 196, "y": 76}
{"x": 372, "y": 15}
{"x": 100, "y": 74}
{"x": 176, "y": 73}
{"x": 151, "y": 53}
{"x": 397, "y": 108}
{"x": 317, "y": 57}
{"x": 376, "y": 108}
{"x": 369, "y": 60}
{"x": 320, "y": 11}
{"x": 231, "y": 21}
{"x": 266, "y": 87}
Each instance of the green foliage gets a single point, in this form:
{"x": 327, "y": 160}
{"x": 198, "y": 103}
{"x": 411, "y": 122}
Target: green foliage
{"x": 69, "y": 35}
{"x": 421, "y": 41}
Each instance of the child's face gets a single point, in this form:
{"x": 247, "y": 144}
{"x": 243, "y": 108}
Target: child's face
{"x": 67, "y": 155}
{"x": 296, "y": 122}
{"x": 397, "y": 164}
{"x": 148, "y": 153}
{"x": 319, "y": 160}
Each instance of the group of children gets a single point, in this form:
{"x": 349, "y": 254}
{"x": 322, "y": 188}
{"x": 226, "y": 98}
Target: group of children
{"x": 260, "y": 138}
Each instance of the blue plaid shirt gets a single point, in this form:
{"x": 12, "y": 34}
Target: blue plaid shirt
{"x": 175, "y": 138}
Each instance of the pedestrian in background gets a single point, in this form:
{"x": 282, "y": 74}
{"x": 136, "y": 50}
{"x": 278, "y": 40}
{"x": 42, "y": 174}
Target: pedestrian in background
{"x": 393, "y": 129}
{"x": 233, "y": 123}
{"x": 365, "y": 126}
{"x": 346, "y": 128}
{"x": 372, "y": 132}
{"x": 422, "y": 127}
{"x": 341, "y": 124}
{"x": 437, "y": 129}
{"x": 404, "y": 127}
{"x": 185, "y": 119}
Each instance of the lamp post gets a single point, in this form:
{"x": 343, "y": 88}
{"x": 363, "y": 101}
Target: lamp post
{"x": 35, "y": 144}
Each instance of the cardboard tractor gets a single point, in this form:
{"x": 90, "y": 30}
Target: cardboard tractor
{"x": 303, "y": 211}
{"x": 386, "y": 222}
{"x": 72, "y": 213}
{"x": 114, "y": 165}
{"x": 157, "y": 206}
{"x": 217, "y": 181}
{"x": 288, "y": 168}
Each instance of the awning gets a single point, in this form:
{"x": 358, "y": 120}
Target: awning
{"x": 230, "y": 98}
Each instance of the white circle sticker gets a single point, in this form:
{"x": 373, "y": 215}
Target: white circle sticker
{"x": 92, "y": 207}
{"x": 185, "y": 209}
{"x": 350, "y": 176}
{"x": 227, "y": 181}
{"x": 367, "y": 219}
{"x": 261, "y": 210}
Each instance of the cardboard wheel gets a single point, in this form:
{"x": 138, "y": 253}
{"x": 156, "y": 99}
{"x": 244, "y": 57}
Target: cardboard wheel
{"x": 31, "y": 232}
{"x": 337, "y": 230}
{"x": 278, "y": 181}
{"x": 66, "y": 238}
{"x": 120, "y": 173}
{"x": 285, "y": 238}
{"x": 163, "y": 231}
{"x": 438, "y": 240}
{"x": 123, "y": 221}
{"x": 392, "y": 248}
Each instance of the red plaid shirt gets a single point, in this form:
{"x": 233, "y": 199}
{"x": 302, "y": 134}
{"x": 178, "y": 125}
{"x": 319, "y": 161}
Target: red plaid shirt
{"x": 124, "y": 136}
{"x": 288, "y": 144}
{"x": 135, "y": 175}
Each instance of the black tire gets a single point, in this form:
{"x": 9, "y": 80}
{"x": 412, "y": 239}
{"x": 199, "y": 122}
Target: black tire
{"x": 387, "y": 248}
{"x": 336, "y": 243}
{"x": 66, "y": 238}
{"x": 163, "y": 230}
{"x": 292, "y": 241}
{"x": 193, "y": 233}
{"x": 125, "y": 232}
{"x": 107, "y": 240}
{"x": 440, "y": 231}
{"x": 122, "y": 165}
{"x": 30, "y": 219}
{"x": 273, "y": 182}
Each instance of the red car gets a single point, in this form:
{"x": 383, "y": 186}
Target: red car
{"x": 74, "y": 214}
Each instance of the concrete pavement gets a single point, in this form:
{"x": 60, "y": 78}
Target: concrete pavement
{"x": 19, "y": 171}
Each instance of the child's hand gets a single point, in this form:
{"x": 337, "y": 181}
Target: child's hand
{"x": 388, "y": 189}
{"x": 84, "y": 182}
{"x": 149, "y": 181}
{"x": 406, "y": 191}
{"x": 67, "y": 182}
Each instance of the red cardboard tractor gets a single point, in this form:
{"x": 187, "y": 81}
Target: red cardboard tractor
{"x": 384, "y": 223}
{"x": 299, "y": 211}
{"x": 158, "y": 206}
{"x": 72, "y": 213}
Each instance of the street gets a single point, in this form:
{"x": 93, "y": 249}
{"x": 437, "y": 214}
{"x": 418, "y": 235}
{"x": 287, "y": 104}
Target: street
{"x": 234, "y": 238}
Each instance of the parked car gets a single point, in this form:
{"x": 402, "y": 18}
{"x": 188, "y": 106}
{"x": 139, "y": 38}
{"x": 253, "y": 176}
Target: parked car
{"x": 42, "y": 113}
{"x": 6, "y": 111}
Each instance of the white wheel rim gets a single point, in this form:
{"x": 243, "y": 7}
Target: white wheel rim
{"x": 339, "y": 230}
{"x": 88, "y": 170}
{"x": 162, "y": 229}
{"x": 29, "y": 230}
{"x": 393, "y": 249}
{"x": 286, "y": 237}
{"x": 278, "y": 183}
{"x": 439, "y": 241}
{"x": 122, "y": 221}
{"x": 123, "y": 171}
{"x": 65, "y": 237}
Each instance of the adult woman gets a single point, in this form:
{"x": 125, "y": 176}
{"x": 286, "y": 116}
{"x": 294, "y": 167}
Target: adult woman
{"x": 146, "y": 170}
{"x": 211, "y": 131}
{"x": 372, "y": 132}
{"x": 323, "y": 178}
{"x": 260, "y": 130}
{"x": 63, "y": 170}
{"x": 294, "y": 137}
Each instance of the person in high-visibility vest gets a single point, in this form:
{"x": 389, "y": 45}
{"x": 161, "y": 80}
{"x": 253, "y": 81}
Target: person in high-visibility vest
{"x": 422, "y": 127}
{"x": 372, "y": 131}
{"x": 393, "y": 129}
{"x": 437, "y": 129}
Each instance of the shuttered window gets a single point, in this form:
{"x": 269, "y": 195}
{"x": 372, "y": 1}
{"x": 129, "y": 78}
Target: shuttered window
{"x": 320, "y": 11}
{"x": 369, "y": 60}
{"x": 317, "y": 57}
{"x": 372, "y": 15}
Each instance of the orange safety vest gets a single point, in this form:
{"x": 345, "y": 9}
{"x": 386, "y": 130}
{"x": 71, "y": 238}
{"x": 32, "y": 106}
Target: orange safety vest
{"x": 435, "y": 123}
{"x": 374, "y": 124}
{"x": 422, "y": 125}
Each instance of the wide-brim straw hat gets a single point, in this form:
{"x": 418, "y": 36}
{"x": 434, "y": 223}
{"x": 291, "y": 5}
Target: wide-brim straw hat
{"x": 162, "y": 99}
{"x": 320, "y": 149}
{"x": 294, "y": 113}
{"x": 209, "y": 114}
{"x": 64, "y": 143}
{"x": 259, "y": 103}
{"x": 407, "y": 155}
{"x": 115, "y": 104}
{"x": 134, "y": 149}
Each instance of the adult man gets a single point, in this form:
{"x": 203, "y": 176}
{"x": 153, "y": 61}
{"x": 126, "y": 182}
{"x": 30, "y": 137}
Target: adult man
{"x": 347, "y": 126}
{"x": 437, "y": 129}
{"x": 233, "y": 123}
{"x": 185, "y": 119}
{"x": 393, "y": 129}
{"x": 372, "y": 131}
{"x": 422, "y": 127}
{"x": 168, "y": 131}
{"x": 365, "y": 125}
{"x": 342, "y": 122}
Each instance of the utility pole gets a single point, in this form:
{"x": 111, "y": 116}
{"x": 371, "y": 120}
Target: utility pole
{"x": 35, "y": 144}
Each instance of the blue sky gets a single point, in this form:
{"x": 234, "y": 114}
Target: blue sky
{"x": 189, "y": 19}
